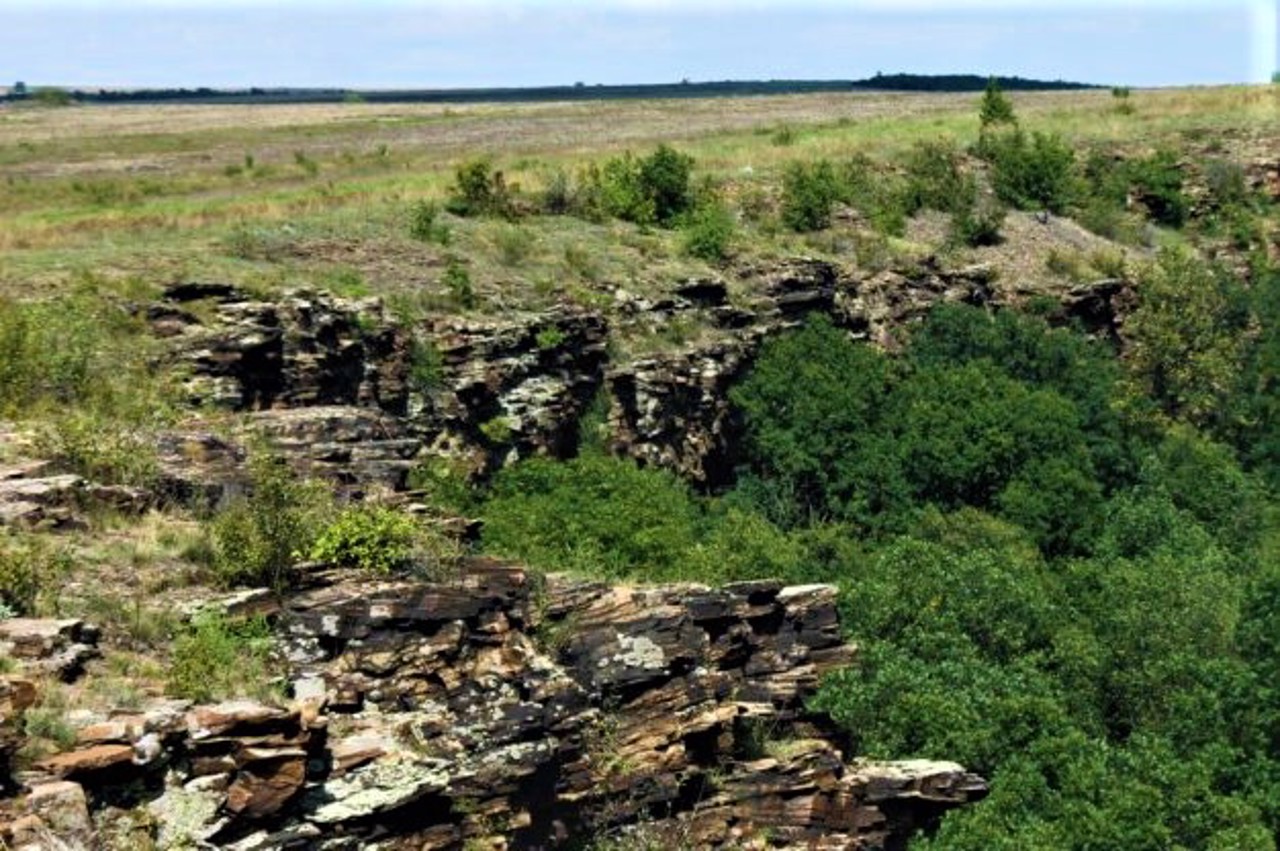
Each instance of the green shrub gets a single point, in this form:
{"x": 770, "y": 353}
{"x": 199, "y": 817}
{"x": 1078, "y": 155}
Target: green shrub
{"x": 426, "y": 366}
{"x": 935, "y": 179}
{"x": 218, "y": 657}
{"x": 370, "y": 538}
{"x": 621, "y": 194}
{"x": 457, "y": 280}
{"x": 664, "y": 178}
{"x": 708, "y": 232}
{"x": 879, "y": 195}
{"x": 258, "y": 537}
{"x": 1226, "y": 183}
{"x": 977, "y": 225}
{"x": 549, "y": 338}
{"x": 557, "y": 194}
{"x": 648, "y": 190}
{"x": 1157, "y": 182}
{"x": 479, "y": 190}
{"x": 100, "y": 447}
{"x": 497, "y": 430}
{"x": 1187, "y": 336}
{"x": 1035, "y": 174}
{"x": 808, "y": 192}
{"x": 61, "y": 352}
{"x": 995, "y": 107}
{"x": 29, "y": 572}
{"x": 425, "y": 224}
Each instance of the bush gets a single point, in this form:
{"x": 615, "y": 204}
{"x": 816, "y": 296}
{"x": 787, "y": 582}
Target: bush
{"x": 81, "y": 364}
{"x": 1188, "y": 335}
{"x": 425, "y": 224}
{"x": 600, "y": 515}
{"x": 877, "y": 194}
{"x": 808, "y": 192}
{"x": 977, "y": 225}
{"x": 457, "y": 280}
{"x": 60, "y": 352}
{"x": 1038, "y": 174}
{"x": 369, "y": 538}
{"x": 29, "y": 570}
{"x": 620, "y": 192}
{"x": 258, "y": 537}
{"x": 664, "y": 178}
{"x": 995, "y": 108}
{"x": 936, "y": 181}
{"x": 479, "y": 190}
{"x": 593, "y": 514}
{"x": 100, "y": 447}
{"x": 218, "y": 658}
{"x": 649, "y": 190}
{"x": 1157, "y": 182}
{"x": 557, "y": 194}
{"x": 708, "y": 232}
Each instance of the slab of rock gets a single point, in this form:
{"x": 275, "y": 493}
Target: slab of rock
{"x": 61, "y": 810}
{"x": 48, "y": 646}
{"x": 88, "y": 760}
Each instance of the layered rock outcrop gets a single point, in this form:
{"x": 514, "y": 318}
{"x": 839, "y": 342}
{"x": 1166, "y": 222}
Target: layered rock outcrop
{"x": 499, "y": 711}
{"x": 350, "y": 394}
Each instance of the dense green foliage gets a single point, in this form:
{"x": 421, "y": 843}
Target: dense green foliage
{"x": 260, "y": 536}
{"x": 78, "y": 365}
{"x": 368, "y": 537}
{"x": 217, "y": 657}
{"x": 478, "y": 190}
{"x": 29, "y": 570}
{"x": 1031, "y": 174}
{"x": 601, "y": 515}
{"x": 708, "y": 232}
{"x": 809, "y": 189}
{"x": 1056, "y": 566}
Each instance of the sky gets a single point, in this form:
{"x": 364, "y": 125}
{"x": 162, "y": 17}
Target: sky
{"x": 456, "y": 44}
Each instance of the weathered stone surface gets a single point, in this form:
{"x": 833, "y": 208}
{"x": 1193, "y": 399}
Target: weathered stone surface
{"x": 515, "y": 387}
{"x": 493, "y": 709}
{"x": 87, "y": 761}
{"x": 49, "y": 647}
{"x": 63, "y": 812}
{"x": 266, "y": 782}
{"x": 304, "y": 349}
{"x": 31, "y": 501}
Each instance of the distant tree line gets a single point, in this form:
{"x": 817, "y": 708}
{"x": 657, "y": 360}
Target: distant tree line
{"x": 962, "y": 83}
{"x": 576, "y": 91}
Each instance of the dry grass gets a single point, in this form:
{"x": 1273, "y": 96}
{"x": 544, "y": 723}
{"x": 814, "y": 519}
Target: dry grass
{"x": 163, "y": 192}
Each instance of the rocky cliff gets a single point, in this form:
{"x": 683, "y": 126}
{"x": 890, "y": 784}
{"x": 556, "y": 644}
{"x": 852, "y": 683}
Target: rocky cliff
{"x": 497, "y": 710}
{"x": 494, "y": 711}
{"x": 346, "y": 390}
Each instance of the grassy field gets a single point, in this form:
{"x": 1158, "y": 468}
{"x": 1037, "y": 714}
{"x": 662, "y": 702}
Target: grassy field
{"x": 319, "y": 194}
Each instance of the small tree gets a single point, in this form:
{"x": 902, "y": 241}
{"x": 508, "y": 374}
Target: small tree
{"x": 20, "y": 89}
{"x": 53, "y": 96}
{"x": 995, "y": 107}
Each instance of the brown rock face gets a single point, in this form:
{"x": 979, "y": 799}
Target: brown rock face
{"x": 87, "y": 761}
{"x": 496, "y": 710}
{"x": 306, "y": 349}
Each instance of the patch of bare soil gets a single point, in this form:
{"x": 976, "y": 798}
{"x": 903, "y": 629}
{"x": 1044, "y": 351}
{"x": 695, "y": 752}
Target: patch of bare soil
{"x": 1034, "y": 249}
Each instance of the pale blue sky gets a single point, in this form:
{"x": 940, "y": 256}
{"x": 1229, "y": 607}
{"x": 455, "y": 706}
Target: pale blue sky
{"x": 401, "y": 43}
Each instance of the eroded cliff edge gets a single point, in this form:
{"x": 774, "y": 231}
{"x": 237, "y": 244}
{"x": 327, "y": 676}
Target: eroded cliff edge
{"x": 496, "y": 711}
